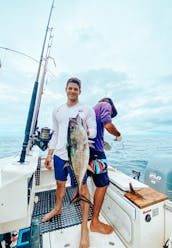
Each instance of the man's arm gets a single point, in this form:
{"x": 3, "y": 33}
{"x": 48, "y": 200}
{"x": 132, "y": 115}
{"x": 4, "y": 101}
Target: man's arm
{"x": 52, "y": 143}
{"x": 107, "y": 121}
{"x": 110, "y": 127}
{"x": 48, "y": 159}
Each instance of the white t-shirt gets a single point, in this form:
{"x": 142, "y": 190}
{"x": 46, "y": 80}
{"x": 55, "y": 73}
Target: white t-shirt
{"x": 60, "y": 118}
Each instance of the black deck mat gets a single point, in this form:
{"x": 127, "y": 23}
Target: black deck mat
{"x": 70, "y": 216}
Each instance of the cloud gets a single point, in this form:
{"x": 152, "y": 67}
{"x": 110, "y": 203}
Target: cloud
{"x": 123, "y": 51}
{"x": 141, "y": 109}
{"x": 87, "y": 35}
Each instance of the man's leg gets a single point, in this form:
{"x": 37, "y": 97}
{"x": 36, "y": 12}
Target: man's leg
{"x": 85, "y": 207}
{"x": 61, "y": 173}
{"x": 96, "y": 225}
{"x": 60, "y": 192}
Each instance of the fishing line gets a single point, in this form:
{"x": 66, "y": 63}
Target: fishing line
{"x": 21, "y": 53}
{"x": 2, "y": 61}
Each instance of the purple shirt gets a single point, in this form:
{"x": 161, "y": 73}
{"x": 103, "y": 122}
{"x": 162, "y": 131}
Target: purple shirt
{"x": 103, "y": 116}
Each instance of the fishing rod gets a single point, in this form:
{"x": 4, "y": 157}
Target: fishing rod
{"x": 34, "y": 95}
{"x": 41, "y": 138}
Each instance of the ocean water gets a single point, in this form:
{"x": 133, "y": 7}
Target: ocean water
{"x": 10, "y": 145}
{"x": 133, "y": 153}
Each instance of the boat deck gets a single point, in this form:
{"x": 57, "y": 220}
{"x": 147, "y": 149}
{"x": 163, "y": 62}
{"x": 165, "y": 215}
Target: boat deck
{"x": 64, "y": 230}
{"x": 69, "y": 237}
{"x": 70, "y": 216}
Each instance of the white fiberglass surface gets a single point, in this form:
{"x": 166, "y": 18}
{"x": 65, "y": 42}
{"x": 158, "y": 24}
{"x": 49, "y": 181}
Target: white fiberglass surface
{"x": 70, "y": 237}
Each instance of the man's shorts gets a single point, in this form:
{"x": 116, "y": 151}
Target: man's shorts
{"x": 101, "y": 179}
{"x": 98, "y": 163}
{"x": 61, "y": 171}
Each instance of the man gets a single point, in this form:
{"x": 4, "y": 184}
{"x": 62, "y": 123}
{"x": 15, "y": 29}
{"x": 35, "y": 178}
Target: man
{"x": 105, "y": 111}
{"x": 58, "y": 150}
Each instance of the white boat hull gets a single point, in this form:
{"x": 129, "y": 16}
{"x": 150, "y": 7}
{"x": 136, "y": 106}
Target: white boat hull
{"x": 17, "y": 192}
{"x": 134, "y": 227}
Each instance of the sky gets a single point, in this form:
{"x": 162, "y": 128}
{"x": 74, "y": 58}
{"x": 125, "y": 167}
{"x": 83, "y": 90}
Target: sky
{"x": 118, "y": 48}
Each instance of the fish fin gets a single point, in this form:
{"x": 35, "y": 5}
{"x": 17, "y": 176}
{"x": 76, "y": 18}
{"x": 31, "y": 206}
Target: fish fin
{"x": 79, "y": 119}
{"x": 90, "y": 169}
{"x": 91, "y": 143}
{"x": 132, "y": 191}
{"x": 66, "y": 165}
{"x": 131, "y": 188}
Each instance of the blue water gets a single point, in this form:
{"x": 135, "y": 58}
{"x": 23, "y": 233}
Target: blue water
{"x": 133, "y": 153}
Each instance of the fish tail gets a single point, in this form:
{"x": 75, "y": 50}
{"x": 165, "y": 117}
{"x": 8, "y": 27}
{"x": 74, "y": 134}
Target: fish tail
{"x": 76, "y": 197}
{"x": 85, "y": 199}
{"x": 79, "y": 197}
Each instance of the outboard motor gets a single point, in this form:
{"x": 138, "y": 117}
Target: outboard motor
{"x": 158, "y": 174}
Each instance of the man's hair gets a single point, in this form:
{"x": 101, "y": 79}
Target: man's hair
{"x": 109, "y": 100}
{"x": 75, "y": 81}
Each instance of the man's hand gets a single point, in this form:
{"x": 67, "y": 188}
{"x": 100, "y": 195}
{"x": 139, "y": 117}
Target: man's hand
{"x": 88, "y": 133}
{"x": 118, "y": 138}
{"x": 48, "y": 161}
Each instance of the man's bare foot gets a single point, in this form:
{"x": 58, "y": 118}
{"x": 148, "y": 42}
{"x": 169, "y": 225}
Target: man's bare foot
{"x": 51, "y": 214}
{"x": 84, "y": 241}
{"x": 100, "y": 227}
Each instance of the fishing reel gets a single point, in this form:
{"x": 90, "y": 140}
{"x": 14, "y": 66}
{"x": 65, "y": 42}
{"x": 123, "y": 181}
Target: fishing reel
{"x": 42, "y": 138}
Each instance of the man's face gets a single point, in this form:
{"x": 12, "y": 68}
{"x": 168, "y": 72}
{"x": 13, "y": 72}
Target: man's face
{"x": 72, "y": 91}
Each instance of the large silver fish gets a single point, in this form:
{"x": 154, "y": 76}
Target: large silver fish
{"x": 78, "y": 149}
